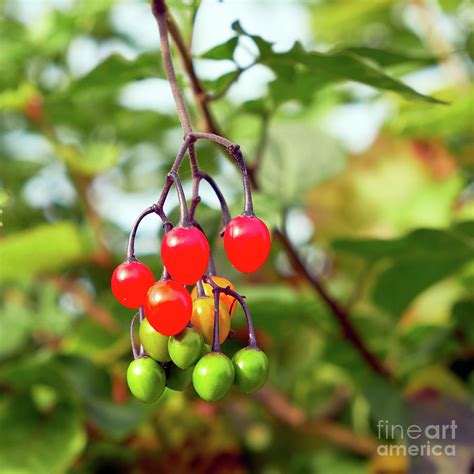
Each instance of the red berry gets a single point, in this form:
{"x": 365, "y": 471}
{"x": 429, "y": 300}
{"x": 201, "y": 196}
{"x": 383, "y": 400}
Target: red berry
{"x": 185, "y": 253}
{"x": 168, "y": 307}
{"x": 247, "y": 243}
{"x": 130, "y": 283}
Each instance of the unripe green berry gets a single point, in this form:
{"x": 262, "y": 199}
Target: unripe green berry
{"x": 178, "y": 379}
{"x": 146, "y": 379}
{"x": 185, "y": 348}
{"x": 251, "y": 369}
{"x": 154, "y": 343}
{"x": 213, "y": 376}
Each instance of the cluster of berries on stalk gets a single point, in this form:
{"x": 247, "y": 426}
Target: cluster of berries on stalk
{"x": 181, "y": 332}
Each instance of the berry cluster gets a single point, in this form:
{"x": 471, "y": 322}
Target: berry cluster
{"x": 181, "y": 332}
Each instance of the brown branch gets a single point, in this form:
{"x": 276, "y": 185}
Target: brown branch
{"x": 284, "y": 411}
{"x": 340, "y": 313}
{"x": 198, "y": 91}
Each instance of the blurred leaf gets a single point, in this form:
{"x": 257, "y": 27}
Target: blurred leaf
{"x": 43, "y": 249}
{"x": 118, "y": 421}
{"x": 463, "y": 314}
{"x": 268, "y": 209}
{"x": 95, "y": 159}
{"x": 363, "y": 22}
{"x": 438, "y": 378}
{"x": 423, "y": 344}
{"x": 385, "y": 400}
{"x": 115, "y": 72}
{"x": 16, "y": 99}
{"x": 36, "y": 443}
{"x": 424, "y": 120}
{"x": 219, "y": 84}
{"x": 414, "y": 262}
{"x": 222, "y": 51}
{"x": 15, "y": 321}
{"x": 292, "y": 163}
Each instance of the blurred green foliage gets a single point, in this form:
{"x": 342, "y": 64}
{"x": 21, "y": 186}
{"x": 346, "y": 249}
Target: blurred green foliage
{"x": 387, "y": 225}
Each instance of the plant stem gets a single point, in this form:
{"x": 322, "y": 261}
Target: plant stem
{"x": 216, "y": 345}
{"x": 133, "y": 233}
{"x": 160, "y": 13}
{"x": 340, "y": 313}
{"x": 135, "y": 351}
{"x": 228, "y": 291}
{"x": 224, "y": 207}
{"x": 183, "y": 208}
{"x": 234, "y": 150}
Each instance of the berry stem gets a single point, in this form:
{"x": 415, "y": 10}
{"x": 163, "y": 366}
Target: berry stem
{"x": 200, "y": 289}
{"x": 224, "y": 207}
{"x": 159, "y": 11}
{"x": 216, "y": 345}
{"x": 183, "y": 208}
{"x": 133, "y": 233}
{"x": 216, "y": 289}
{"x": 236, "y": 153}
{"x": 141, "y": 313}
{"x": 136, "y": 352}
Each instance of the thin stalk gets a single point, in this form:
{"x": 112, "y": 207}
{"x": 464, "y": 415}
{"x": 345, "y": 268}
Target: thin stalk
{"x": 216, "y": 345}
{"x": 200, "y": 289}
{"x": 141, "y": 313}
{"x": 224, "y": 207}
{"x": 234, "y": 150}
{"x": 133, "y": 233}
{"x": 160, "y": 13}
{"x": 216, "y": 289}
{"x": 136, "y": 353}
{"x": 183, "y": 207}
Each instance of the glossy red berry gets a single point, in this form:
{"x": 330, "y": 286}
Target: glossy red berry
{"x": 168, "y": 307}
{"x": 185, "y": 253}
{"x": 247, "y": 243}
{"x": 130, "y": 283}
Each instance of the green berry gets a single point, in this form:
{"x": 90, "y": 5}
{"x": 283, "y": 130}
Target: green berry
{"x": 178, "y": 379}
{"x": 213, "y": 376}
{"x": 251, "y": 369}
{"x": 185, "y": 348}
{"x": 154, "y": 343}
{"x": 206, "y": 348}
{"x": 146, "y": 379}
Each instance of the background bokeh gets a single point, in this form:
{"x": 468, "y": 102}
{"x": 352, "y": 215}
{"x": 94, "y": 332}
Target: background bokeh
{"x": 362, "y": 157}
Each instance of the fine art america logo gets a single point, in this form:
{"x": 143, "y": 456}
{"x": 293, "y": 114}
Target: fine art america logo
{"x": 417, "y": 440}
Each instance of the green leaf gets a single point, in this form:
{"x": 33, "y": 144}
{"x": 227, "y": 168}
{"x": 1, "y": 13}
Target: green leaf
{"x": 15, "y": 320}
{"x": 413, "y": 263}
{"x": 222, "y": 51}
{"x": 43, "y": 249}
{"x": 317, "y": 68}
{"x": 387, "y": 58}
{"x": 462, "y": 314}
{"x": 264, "y": 47}
{"x": 297, "y": 158}
{"x": 426, "y": 120}
{"x": 16, "y": 99}
{"x": 115, "y": 72}
{"x": 385, "y": 400}
{"x": 221, "y": 83}
{"x": 35, "y": 443}
{"x": 94, "y": 159}
{"x": 300, "y": 72}
{"x": 42, "y": 427}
